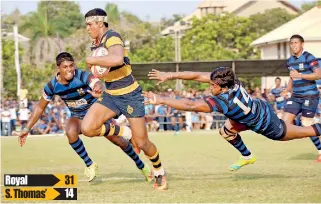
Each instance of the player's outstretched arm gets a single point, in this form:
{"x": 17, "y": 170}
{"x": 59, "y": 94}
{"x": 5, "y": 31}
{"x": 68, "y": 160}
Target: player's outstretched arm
{"x": 164, "y": 76}
{"x": 179, "y": 104}
{"x": 40, "y": 107}
{"x": 114, "y": 58}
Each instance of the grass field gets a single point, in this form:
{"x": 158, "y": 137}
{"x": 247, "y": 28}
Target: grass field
{"x": 196, "y": 165}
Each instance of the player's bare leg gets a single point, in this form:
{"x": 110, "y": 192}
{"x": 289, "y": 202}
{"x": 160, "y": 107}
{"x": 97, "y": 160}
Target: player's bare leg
{"x": 94, "y": 123}
{"x": 140, "y": 136}
{"x": 288, "y": 117}
{"x": 73, "y": 129}
{"x": 297, "y": 132}
{"x": 230, "y": 132}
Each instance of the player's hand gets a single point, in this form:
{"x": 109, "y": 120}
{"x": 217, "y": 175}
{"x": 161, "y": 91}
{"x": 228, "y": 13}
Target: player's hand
{"x": 160, "y": 76}
{"x": 89, "y": 62}
{"x": 151, "y": 98}
{"x": 97, "y": 90}
{"x": 23, "y": 137}
{"x": 295, "y": 74}
{"x": 284, "y": 93}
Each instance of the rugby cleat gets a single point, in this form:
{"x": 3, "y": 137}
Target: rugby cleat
{"x": 160, "y": 182}
{"x": 91, "y": 171}
{"x": 147, "y": 173}
{"x": 318, "y": 159}
{"x": 242, "y": 162}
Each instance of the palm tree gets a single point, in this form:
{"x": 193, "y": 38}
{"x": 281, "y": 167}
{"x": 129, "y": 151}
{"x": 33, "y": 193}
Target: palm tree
{"x": 44, "y": 30}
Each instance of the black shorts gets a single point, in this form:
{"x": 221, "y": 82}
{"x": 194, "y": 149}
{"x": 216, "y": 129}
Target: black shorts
{"x": 308, "y": 107}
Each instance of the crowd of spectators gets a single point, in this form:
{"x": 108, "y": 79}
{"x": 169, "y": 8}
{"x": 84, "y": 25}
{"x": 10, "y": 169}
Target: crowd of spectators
{"x": 15, "y": 114}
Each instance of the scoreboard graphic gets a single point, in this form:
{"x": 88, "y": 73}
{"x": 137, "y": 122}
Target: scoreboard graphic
{"x": 37, "y": 187}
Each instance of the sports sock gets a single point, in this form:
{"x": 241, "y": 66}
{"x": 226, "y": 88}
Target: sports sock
{"x": 157, "y": 164}
{"x": 317, "y": 143}
{"x": 131, "y": 153}
{"x": 237, "y": 142}
{"x": 80, "y": 149}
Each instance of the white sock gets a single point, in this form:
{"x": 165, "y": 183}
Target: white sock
{"x": 127, "y": 134}
{"x": 319, "y": 151}
{"x": 158, "y": 172}
{"x": 247, "y": 157}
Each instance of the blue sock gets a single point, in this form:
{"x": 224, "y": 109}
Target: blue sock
{"x": 80, "y": 149}
{"x": 237, "y": 142}
{"x": 316, "y": 141}
{"x": 130, "y": 152}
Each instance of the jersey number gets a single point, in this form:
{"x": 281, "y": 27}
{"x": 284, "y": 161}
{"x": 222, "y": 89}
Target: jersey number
{"x": 246, "y": 97}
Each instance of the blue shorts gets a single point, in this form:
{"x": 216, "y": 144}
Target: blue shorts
{"x": 131, "y": 104}
{"x": 319, "y": 107}
{"x": 79, "y": 115}
{"x": 280, "y": 106}
{"x": 276, "y": 130}
{"x": 308, "y": 107}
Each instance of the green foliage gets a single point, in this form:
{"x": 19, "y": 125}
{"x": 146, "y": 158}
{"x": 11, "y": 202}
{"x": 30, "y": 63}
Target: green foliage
{"x": 307, "y": 6}
{"x": 112, "y": 13}
{"x": 32, "y": 77}
{"x": 170, "y": 21}
{"x": 66, "y": 12}
{"x": 160, "y": 50}
{"x": 218, "y": 38}
{"x": 42, "y": 26}
{"x": 269, "y": 20}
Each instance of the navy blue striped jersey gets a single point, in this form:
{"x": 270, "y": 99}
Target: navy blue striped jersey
{"x": 238, "y": 106}
{"x": 277, "y": 95}
{"x": 304, "y": 64}
{"x": 75, "y": 93}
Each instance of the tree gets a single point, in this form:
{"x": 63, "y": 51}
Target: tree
{"x": 67, "y": 12}
{"x": 219, "y": 38}
{"x": 112, "y": 13}
{"x": 29, "y": 74}
{"x": 158, "y": 50}
{"x": 307, "y": 6}
{"x": 170, "y": 21}
{"x": 269, "y": 20}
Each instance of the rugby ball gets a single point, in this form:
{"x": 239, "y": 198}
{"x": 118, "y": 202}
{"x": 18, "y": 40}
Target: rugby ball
{"x": 96, "y": 69}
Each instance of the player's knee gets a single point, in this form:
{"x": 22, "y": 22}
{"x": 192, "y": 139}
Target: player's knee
{"x": 142, "y": 144}
{"x": 87, "y": 130}
{"x": 72, "y": 134}
{"x": 226, "y": 133}
{"x": 306, "y": 121}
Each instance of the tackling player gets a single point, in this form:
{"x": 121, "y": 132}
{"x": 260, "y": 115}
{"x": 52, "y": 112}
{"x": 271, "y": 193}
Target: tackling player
{"x": 78, "y": 90}
{"x": 232, "y": 100}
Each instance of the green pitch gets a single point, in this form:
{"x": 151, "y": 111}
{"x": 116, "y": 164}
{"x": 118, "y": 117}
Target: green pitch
{"x": 196, "y": 165}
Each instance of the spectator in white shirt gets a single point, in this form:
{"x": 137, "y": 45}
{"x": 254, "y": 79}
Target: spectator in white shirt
{"x": 6, "y": 126}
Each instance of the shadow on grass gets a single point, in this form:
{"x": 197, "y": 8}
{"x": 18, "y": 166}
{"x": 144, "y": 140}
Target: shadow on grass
{"x": 305, "y": 156}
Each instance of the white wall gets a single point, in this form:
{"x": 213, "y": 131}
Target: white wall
{"x": 261, "y": 6}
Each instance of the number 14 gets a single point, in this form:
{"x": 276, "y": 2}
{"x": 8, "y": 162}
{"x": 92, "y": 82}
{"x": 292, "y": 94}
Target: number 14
{"x": 237, "y": 101}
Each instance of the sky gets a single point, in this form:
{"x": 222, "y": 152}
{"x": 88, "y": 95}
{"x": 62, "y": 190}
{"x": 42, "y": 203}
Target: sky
{"x": 152, "y": 10}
